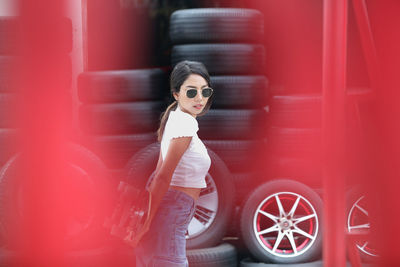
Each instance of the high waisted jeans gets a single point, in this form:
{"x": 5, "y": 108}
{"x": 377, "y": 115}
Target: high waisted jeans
{"x": 164, "y": 245}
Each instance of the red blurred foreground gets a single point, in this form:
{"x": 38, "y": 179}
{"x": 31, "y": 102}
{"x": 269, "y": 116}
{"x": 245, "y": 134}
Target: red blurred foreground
{"x": 45, "y": 120}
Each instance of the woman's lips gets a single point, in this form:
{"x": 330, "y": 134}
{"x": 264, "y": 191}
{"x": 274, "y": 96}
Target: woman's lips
{"x": 198, "y": 106}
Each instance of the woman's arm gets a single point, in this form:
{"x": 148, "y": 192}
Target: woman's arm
{"x": 159, "y": 163}
{"x": 162, "y": 179}
{"x": 160, "y": 184}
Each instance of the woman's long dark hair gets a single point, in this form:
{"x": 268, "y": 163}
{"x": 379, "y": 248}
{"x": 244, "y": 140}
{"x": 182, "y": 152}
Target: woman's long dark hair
{"x": 179, "y": 74}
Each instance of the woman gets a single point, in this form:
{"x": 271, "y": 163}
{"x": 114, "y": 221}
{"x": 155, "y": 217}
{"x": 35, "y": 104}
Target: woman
{"x": 181, "y": 169}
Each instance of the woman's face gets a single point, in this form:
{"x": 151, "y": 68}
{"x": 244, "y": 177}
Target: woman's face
{"x": 193, "y": 106}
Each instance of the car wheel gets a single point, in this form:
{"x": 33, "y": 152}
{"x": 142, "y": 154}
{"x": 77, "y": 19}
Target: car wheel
{"x": 281, "y": 222}
{"x": 358, "y": 217}
{"x": 214, "y": 206}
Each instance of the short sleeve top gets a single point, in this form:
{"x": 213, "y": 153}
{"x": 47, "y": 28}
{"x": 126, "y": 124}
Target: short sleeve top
{"x": 195, "y": 162}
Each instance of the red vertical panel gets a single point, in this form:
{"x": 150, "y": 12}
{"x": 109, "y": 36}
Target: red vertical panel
{"x": 43, "y": 118}
{"x": 333, "y": 129}
{"x": 385, "y": 144}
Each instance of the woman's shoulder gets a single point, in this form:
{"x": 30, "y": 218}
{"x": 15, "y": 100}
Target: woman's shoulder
{"x": 182, "y": 117}
{"x": 181, "y": 123}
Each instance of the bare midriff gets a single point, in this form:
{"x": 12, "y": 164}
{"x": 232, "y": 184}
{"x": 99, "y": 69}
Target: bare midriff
{"x": 193, "y": 192}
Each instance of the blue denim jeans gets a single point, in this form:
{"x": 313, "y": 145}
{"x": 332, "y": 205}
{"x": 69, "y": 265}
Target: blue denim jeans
{"x": 164, "y": 245}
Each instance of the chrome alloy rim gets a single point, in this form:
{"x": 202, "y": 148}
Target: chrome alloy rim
{"x": 285, "y": 224}
{"x": 358, "y": 218}
{"x": 206, "y": 209}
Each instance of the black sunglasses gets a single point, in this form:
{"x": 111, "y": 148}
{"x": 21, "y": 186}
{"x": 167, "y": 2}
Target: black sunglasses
{"x": 206, "y": 92}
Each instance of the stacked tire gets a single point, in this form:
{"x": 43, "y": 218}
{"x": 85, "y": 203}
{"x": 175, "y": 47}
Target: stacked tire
{"x": 282, "y": 219}
{"x": 229, "y": 43}
{"x": 120, "y": 112}
{"x": 294, "y": 134}
{"x": 118, "y": 117}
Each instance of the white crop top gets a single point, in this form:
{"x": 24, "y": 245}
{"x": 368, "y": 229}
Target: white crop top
{"x": 195, "y": 162}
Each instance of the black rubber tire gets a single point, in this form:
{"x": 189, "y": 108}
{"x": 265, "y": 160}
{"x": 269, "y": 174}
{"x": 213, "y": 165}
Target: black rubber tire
{"x": 116, "y": 150}
{"x": 232, "y": 152}
{"x": 223, "y": 255}
{"x": 308, "y": 171}
{"x": 120, "y": 118}
{"x": 296, "y": 111}
{"x": 142, "y": 165}
{"x": 247, "y": 216}
{"x": 97, "y": 190}
{"x": 223, "y": 59}
{"x": 112, "y": 86}
{"x": 295, "y": 142}
{"x": 305, "y": 111}
{"x": 215, "y": 25}
{"x": 8, "y": 34}
{"x": 240, "y": 92}
{"x": 8, "y": 74}
{"x": 8, "y": 144}
{"x": 217, "y": 124}
{"x": 245, "y": 182}
{"x": 249, "y": 263}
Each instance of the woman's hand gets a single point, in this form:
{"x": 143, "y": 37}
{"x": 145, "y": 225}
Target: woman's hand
{"x": 133, "y": 240}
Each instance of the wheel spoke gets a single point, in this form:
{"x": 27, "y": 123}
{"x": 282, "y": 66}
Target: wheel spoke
{"x": 203, "y": 214}
{"x": 301, "y": 232}
{"x": 210, "y": 202}
{"x": 362, "y": 210}
{"x": 278, "y": 241}
{"x": 292, "y": 242}
{"x": 269, "y": 230}
{"x": 272, "y": 217}
{"x": 281, "y": 210}
{"x": 291, "y": 212}
{"x": 302, "y": 219}
{"x": 365, "y": 244}
{"x": 361, "y": 226}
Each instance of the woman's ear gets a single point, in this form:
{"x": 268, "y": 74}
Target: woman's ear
{"x": 176, "y": 95}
